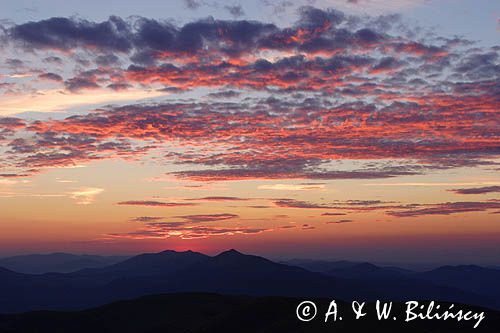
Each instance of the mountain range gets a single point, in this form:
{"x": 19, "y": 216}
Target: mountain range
{"x": 56, "y": 262}
{"x": 234, "y": 273}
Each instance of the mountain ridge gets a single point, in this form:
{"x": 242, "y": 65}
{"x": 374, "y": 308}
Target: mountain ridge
{"x": 229, "y": 272}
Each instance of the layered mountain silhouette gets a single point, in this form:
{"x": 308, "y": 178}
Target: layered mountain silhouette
{"x": 480, "y": 280}
{"x": 471, "y": 279}
{"x": 232, "y": 273}
{"x": 207, "y": 313}
{"x": 56, "y": 262}
{"x": 320, "y": 265}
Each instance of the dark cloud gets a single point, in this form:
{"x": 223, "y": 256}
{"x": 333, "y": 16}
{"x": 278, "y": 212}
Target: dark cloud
{"x": 316, "y": 31}
{"x": 61, "y": 33}
{"x": 151, "y": 203}
{"x": 8, "y": 127}
{"x": 14, "y": 63}
{"x": 393, "y": 209}
{"x": 325, "y": 48}
{"x": 11, "y": 123}
{"x": 235, "y": 10}
{"x": 292, "y": 203}
{"x": 350, "y": 205}
{"x": 224, "y": 94}
{"x": 327, "y": 96}
{"x": 80, "y": 83}
{"x": 339, "y": 222}
{"x": 150, "y": 40}
{"x": 446, "y": 208}
{"x": 51, "y": 77}
{"x": 187, "y": 229}
{"x": 106, "y": 60}
{"x": 219, "y": 198}
{"x": 193, "y": 4}
{"x": 147, "y": 218}
{"x": 268, "y": 172}
{"x": 279, "y": 7}
{"x": 364, "y": 202}
{"x": 260, "y": 142}
{"x": 119, "y": 86}
{"x": 387, "y": 64}
{"x": 53, "y": 60}
{"x": 13, "y": 175}
{"x": 477, "y": 190}
{"x": 173, "y": 229}
{"x": 208, "y": 217}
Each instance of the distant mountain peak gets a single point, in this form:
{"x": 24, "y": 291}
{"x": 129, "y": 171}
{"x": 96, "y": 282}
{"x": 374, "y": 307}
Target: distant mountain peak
{"x": 230, "y": 252}
{"x": 451, "y": 268}
{"x": 367, "y": 265}
{"x": 176, "y": 252}
{"x": 166, "y": 252}
{"x": 5, "y": 271}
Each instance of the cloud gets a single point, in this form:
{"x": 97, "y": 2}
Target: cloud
{"x": 12, "y": 175}
{"x": 391, "y": 208}
{"x": 446, "y": 208}
{"x": 152, "y": 203}
{"x": 107, "y": 60}
{"x": 208, "y": 217}
{"x": 185, "y": 232}
{"x": 425, "y": 184}
{"x": 292, "y": 203}
{"x": 9, "y": 126}
{"x": 292, "y": 187}
{"x": 193, "y": 4}
{"x": 14, "y": 63}
{"x": 85, "y": 195}
{"x": 270, "y": 172}
{"x": 61, "y": 33}
{"x": 219, "y": 198}
{"x": 353, "y": 205}
{"x": 279, "y": 7}
{"x": 53, "y": 60}
{"x": 10, "y": 123}
{"x": 51, "y": 77}
{"x": 224, "y": 94}
{"x": 477, "y": 190}
{"x": 77, "y": 84}
{"x": 235, "y": 10}
{"x": 141, "y": 38}
{"x": 339, "y": 222}
{"x": 147, "y": 218}
{"x": 154, "y": 228}
{"x": 326, "y": 88}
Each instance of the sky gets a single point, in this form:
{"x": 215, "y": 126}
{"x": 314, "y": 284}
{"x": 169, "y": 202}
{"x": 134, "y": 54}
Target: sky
{"x": 345, "y": 129}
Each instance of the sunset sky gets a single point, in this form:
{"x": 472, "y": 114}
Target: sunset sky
{"x": 348, "y": 129}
